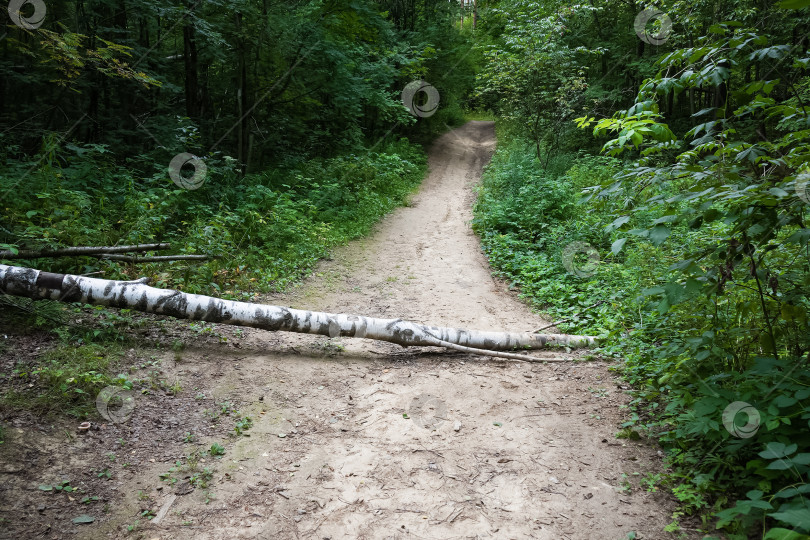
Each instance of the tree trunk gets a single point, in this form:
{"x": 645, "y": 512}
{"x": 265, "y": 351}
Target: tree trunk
{"x": 190, "y": 65}
{"x": 242, "y": 95}
{"x": 35, "y": 284}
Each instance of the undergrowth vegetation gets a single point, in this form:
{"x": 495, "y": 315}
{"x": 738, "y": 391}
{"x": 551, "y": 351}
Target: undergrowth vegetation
{"x": 675, "y": 226}
{"x": 67, "y": 380}
{"x": 261, "y": 231}
{"x": 688, "y": 355}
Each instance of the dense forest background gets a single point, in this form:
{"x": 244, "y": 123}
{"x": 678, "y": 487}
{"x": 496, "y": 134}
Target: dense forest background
{"x": 290, "y": 113}
{"x": 651, "y": 183}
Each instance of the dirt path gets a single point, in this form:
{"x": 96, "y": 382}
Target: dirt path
{"x": 356, "y": 439}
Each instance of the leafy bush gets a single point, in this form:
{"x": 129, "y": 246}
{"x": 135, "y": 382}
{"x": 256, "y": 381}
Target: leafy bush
{"x": 262, "y": 231}
{"x": 690, "y": 355}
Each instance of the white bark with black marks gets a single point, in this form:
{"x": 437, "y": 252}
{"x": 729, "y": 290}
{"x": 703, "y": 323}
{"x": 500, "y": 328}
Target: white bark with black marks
{"x": 35, "y": 284}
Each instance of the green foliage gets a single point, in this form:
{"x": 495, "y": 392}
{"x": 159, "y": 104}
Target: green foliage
{"x": 745, "y": 273}
{"x": 216, "y": 450}
{"x": 241, "y": 425}
{"x": 533, "y": 71}
{"x": 63, "y": 486}
{"x": 264, "y": 231}
{"x": 65, "y": 379}
{"x": 690, "y": 355}
{"x": 526, "y": 216}
{"x": 701, "y": 234}
{"x": 263, "y": 82}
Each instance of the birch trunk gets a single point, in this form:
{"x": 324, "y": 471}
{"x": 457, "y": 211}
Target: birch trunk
{"x": 35, "y": 284}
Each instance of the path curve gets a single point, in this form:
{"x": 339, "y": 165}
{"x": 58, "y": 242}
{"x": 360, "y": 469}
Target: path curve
{"x": 360, "y": 439}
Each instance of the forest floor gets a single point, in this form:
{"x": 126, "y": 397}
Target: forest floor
{"x": 352, "y": 438}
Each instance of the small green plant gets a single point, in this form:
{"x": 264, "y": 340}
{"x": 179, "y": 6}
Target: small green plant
{"x": 598, "y": 392}
{"x": 105, "y": 474}
{"x": 628, "y": 433}
{"x": 175, "y": 388}
{"x": 64, "y": 485}
{"x": 651, "y": 482}
{"x": 242, "y": 425}
{"x": 226, "y": 408}
{"x": 168, "y": 477}
{"x": 192, "y": 460}
{"x": 625, "y": 486}
{"x": 133, "y": 527}
{"x": 330, "y": 347}
{"x": 123, "y": 381}
{"x": 201, "y": 479}
{"x": 216, "y": 450}
{"x": 188, "y": 437}
{"x": 88, "y": 499}
{"x": 148, "y": 514}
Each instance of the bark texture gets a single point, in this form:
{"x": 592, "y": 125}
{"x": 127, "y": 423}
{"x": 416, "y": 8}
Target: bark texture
{"x": 35, "y": 284}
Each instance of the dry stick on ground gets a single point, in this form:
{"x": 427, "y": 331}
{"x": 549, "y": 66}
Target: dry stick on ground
{"x": 79, "y": 251}
{"x": 158, "y": 258}
{"x": 30, "y": 283}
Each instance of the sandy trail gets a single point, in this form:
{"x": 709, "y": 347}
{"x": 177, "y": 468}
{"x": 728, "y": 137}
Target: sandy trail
{"x": 535, "y": 455}
{"x": 424, "y": 262}
{"x": 357, "y": 439}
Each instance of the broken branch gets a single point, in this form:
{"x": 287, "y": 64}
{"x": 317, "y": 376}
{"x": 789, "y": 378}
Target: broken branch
{"x": 79, "y": 251}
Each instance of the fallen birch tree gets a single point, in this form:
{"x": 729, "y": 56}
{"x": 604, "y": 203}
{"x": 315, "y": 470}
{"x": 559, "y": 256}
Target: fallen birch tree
{"x": 137, "y": 295}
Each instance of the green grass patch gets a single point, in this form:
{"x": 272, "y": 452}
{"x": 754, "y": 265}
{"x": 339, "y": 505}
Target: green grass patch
{"x": 262, "y": 231}
{"x": 64, "y": 380}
